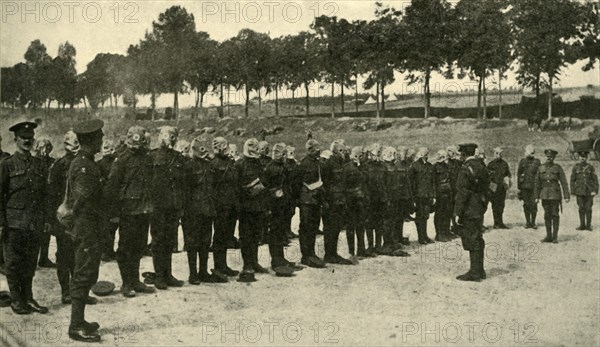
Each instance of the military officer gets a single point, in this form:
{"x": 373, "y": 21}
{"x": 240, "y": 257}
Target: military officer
{"x": 108, "y": 157}
{"x": 526, "y": 174}
{"x": 89, "y": 214}
{"x": 128, "y": 188}
{"x": 42, "y": 149}
{"x": 252, "y": 215}
{"x": 334, "y": 203}
{"x": 443, "y": 205}
{"x": 549, "y": 181}
{"x": 422, "y": 179}
{"x": 227, "y": 203}
{"x": 377, "y": 197}
{"x": 405, "y": 198}
{"x": 471, "y": 200}
{"x": 356, "y": 186}
{"x": 584, "y": 185}
{"x": 22, "y": 217}
{"x": 307, "y": 187}
{"x": 168, "y": 195}
{"x": 499, "y": 184}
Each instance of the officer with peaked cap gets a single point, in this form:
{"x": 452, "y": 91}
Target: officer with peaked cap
{"x": 549, "y": 181}
{"x": 526, "y": 173}
{"x": 471, "y": 201}
{"x": 87, "y": 201}
{"x": 22, "y": 217}
{"x": 584, "y": 185}
{"x": 129, "y": 189}
{"x": 499, "y": 184}
{"x": 307, "y": 187}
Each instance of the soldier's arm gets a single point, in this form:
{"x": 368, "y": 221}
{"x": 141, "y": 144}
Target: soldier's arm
{"x": 114, "y": 181}
{"x": 462, "y": 193}
{"x": 594, "y": 180}
{"x": 563, "y": 182}
{"x": 84, "y": 184}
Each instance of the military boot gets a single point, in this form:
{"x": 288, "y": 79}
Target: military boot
{"x": 556, "y": 224}
{"x": 255, "y": 265}
{"x": 160, "y": 281}
{"x": 472, "y": 274}
{"x": 527, "y": 219}
{"x": 582, "y": 224}
{"x": 193, "y": 267}
{"x": 548, "y": 237}
{"x": 171, "y": 280}
{"x": 533, "y": 217}
{"x": 589, "y": 220}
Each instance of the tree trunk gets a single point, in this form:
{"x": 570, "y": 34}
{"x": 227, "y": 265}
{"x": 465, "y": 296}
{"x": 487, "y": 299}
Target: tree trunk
{"x": 202, "y": 101}
{"x": 84, "y": 104}
{"x": 110, "y": 100}
{"x": 500, "y": 94}
{"x": 479, "y": 98}
{"x": 377, "y": 99}
{"x": 247, "y": 101}
{"x": 342, "y": 91}
{"x": 427, "y": 93}
{"x": 276, "y": 99}
{"x": 382, "y": 99}
{"x": 153, "y": 104}
{"x": 306, "y": 85}
{"x": 176, "y": 105}
{"x": 551, "y": 78}
{"x": 356, "y": 93}
{"x": 484, "y": 99}
{"x": 116, "y": 101}
{"x": 259, "y": 103}
{"x": 332, "y": 100}
{"x": 221, "y": 96}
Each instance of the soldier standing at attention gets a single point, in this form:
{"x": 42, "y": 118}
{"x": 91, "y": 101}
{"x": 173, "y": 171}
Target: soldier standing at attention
{"x": 584, "y": 185}
{"x": 454, "y": 164}
{"x": 422, "y": 181}
{"x": 443, "y": 205}
{"x": 290, "y": 165}
{"x": 86, "y": 194}
{"x": 307, "y": 187}
{"x": 42, "y": 149}
{"x": 526, "y": 173}
{"x": 227, "y": 203}
{"x": 377, "y": 197}
{"x": 168, "y": 194}
{"x": 356, "y": 185}
{"x": 406, "y": 205}
{"x": 252, "y": 214}
{"x": 471, "y": 189}
{"x": 499, "y": 184}
{"x": 22, "y": 217}
{"x": 128, "y": 187}
{"x": 549, "y": 180}
{"x": 108, "y": 157}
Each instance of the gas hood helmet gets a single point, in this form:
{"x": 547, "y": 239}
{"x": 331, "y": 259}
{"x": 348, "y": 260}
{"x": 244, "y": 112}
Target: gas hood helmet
{"x": 108, "y": 147}
{"x": 422, "y": 153}
{"x": 291, "y": 152}
{"x": 167, "y": 137}
{"x": 410, "y": 154}
{"x": 199, "y": 148}
{"x": 375, "y": 152}
{"x": 402, "y": 150}
{"x": 183, "y": 147}
{"x": 278, "y": 152}
{"x": 326, "y": 154}
{"x": 42, "y": 147}
{"x": 338, "y": 148}
{"x": 389, "y": 154}
{"x": 441, "y": 156}
{"x": 136, "y": 137}
{"x": 356, "y": 155}
{"x": 251, "y": 148}
{"x": 233, "y": 152}
{"x": 529, "y": 151}
{"x": 71, "y": 142}
{"x": 452, "y": 152}
{"x": 313, "y": 148}
{"x": 220, "y": 145}
{"x": 263, "y": 148}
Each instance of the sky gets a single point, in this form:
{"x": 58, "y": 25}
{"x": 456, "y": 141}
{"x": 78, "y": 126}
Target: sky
{"x": 111, "y": 26}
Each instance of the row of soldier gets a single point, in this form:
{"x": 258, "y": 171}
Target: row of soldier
{"x": 370, "y": 192}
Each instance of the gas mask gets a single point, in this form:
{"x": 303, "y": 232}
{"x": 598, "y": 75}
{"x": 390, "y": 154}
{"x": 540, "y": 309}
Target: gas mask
{"x": 71, "y": 142}
{"x": 199, "y": 148}
{"x": 441, "y": 156}
{"x": 251, "y": 148}
{"x": 136, "y": 137}
{"x": 279, "y": 152}
{"x": 389, "y": 154}
{"x": 263, "y": 148}
{"x": 167, "y": 136}
{"x": 43, "y": 147}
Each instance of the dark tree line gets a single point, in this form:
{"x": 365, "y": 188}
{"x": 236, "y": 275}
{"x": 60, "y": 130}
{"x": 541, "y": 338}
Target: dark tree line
{"x": 474, "y": 39}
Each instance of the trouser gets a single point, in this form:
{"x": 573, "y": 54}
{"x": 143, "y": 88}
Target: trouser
{"x": 224, "y": 230}
{"x": 333, "y": 220}
{"x": 551, "y": 217}
{"x": 111, "y": 231}
{"x": 405, "y": 208}
{"x": 498, "y": 202}
{"x": 164, "y": 228}
{"x": 65, "y": 261}
{"x": 88, "y": 252}
{"x": 585, "y": 203}
{"x": 310, "y": 216}
{"x": 391, "y": 221}
{"x": 529, "y": 205}
{"x": 278, "y": 234}
{"x": 423, "y": 206}
{"x": 197, "y": 234}
{"x": 20, "y": 249}
{"x": 375, "y": 228}
{"x": 471, "y": 235}
{"x": 133, "y": 238}
{"x": 44, "y": 244}
{"x": 443, "y": 215}
{"x": 355, "y": 215}
{"x": 252, "y": 224}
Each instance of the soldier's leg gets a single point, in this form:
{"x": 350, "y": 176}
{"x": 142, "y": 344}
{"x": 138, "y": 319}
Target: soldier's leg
{"x": 588, "y": 205}
{"x": 161, "y": 245}
{"x": 309, "y": 217}
{"x": 64, "y": 264}
{"x": 85, "y": 275}
{"x": 438, "y": 218}
{"x": 246, "y": 242}
{"x": 44, "y": 244}
{"x": 501, "y": 205}
{"x": 12, "y": 243}
{"x": 259, "y": 226}
{"x": 472, "y": 241}
{"x": 224, "y": 230}
{"x": 352, "y": 223}
{"x": 191, "y": 237}
{"x": 172, "y": 230}
{"x": 533, "y": 208}
{"x": 581, "y": 204}
{"x": 548, "y": 218}
{"x": 30, "y": 250}
{"x": 123, "y": 255}
{"x": 277, "y": 236}
{"x": 555, "y": 210}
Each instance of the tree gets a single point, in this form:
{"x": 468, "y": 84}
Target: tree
{"x": 202, "y": 72}
{"x": 175, "y": 31}
{"x": 483, "y": 44}
{"x": 64, "y": 75}
{"x": 146, "y": 77}
{"x": 588, "y": 43}
{"x": 544, "y": 39}
{"x": 429, "y": 28}
{"x": 39, "y": 63}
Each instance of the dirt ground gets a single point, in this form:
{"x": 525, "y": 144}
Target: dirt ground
{"x": 535, "y": 294}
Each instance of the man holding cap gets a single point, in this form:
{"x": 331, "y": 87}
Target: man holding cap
{"x": 499, "y": 184}
{"x": 22, "y": 216}
{"x": 584, "y": 183}
{"x": 85, "y": 194}
{"x": 548, "y": 183}
{"x": 471, "y": 201}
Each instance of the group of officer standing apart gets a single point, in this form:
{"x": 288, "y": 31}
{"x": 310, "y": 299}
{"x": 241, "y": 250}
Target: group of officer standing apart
{"x": 368, "y": 191}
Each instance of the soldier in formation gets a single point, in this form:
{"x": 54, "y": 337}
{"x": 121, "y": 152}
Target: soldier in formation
{"x": 584, "y": 185}
{"x": 526, "y": 176}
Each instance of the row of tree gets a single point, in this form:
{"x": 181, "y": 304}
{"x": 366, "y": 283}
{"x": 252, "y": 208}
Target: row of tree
{"x": 475, "y": 39}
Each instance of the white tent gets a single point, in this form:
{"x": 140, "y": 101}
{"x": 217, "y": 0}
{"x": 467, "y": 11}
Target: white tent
{"x": 370, "y": 101}
{"x": 392, "y": 97}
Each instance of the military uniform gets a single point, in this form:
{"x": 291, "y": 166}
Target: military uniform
{"x": 290, "y": 166}
{"x": 422, "y": 179}
{"x": 129, "y": 188}
{"x": 108, "y": 252}
{"x": 279, "y": 202}
{"x": 168, "y": 195}
{"x": 471, "y": 201}
{"x": 253, "y": 211}
{"x": 499, "y": 171}
{"x": 335, "y": 196}
{"x": 65, "y": 256}
{"x": 405, "y": 198}
{"x": 356, "y": 203}
{"x": 549, "y": 180}
{"x": 527, "y": 171}
{"x": 377, "y": 199}
{"x": 227, "y": 202}
{"x": 454, "y": 166}
{"x": 392, "y": 219}
{"x": 443, "y": 203}
{"x": 22, "y": 218}
{"x": 3, "y": 155}
{"x": 44, "y": 240}
{"x": 584, "y": 185}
